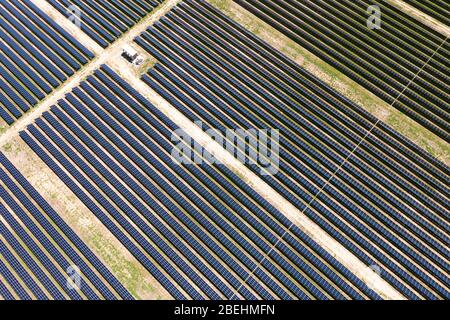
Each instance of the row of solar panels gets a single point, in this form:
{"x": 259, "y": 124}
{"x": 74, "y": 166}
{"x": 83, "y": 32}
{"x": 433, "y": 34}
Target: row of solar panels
{"x": 199, "y": 230}
{"x": 105, "y": 21}
{"x": 37, "y": 55}
{"x": 438, "y": 9}
{"x": 385, "y": 204}
{"x": 393, "y": 62}
{"x": 37, "y": 249}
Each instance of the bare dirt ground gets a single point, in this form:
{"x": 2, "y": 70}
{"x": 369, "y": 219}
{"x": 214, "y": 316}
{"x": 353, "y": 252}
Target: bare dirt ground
{"x": 3, "y": 126}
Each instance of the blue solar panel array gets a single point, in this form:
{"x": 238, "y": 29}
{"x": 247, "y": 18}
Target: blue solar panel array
{"x": 105, "y": 21}
{"x": 37, "y": 248}
{"x": 200, "y": 231}
{"x": 36, "y": 56}
{"x": 404, "y": 62}
{"x": 388, "y": 204}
